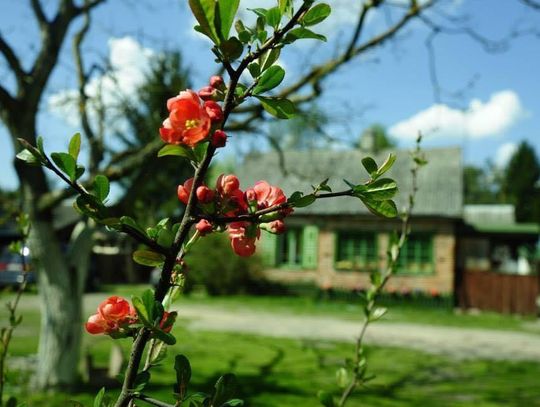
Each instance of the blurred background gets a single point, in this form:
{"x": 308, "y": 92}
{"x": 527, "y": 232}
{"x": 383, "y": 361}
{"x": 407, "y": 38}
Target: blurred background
{"x": 462, "y": 327}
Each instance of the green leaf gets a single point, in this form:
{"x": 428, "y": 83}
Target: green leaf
{"x": 316, "y": 14}
{"x": 142, "y": 312}
{"x": 90, "y": 206}
{"x": 66, "y": 163}
{"x": 370, "y": 165}
{"x": 28, "y": 157}
{"x": 260, "y": 12}
{"x": 379, "y": 190}
{"x": 342, "y": 377}
{"x": 99, "y": 397}
{"x": 326, "y": 398}
{"x": 75, "y": 146}
{"x": 271, "y": 78}
{"x": 204, "y": 12}
{"x": 254, "y": 69}
{"x": 224, "y": 389}
{"x": 387, "y": 164}
{"x": 273, "y": 17}
{"x": 232, "y": 48}
{"x": 128, "y": 221}
{"x": 295, "y": 195}
{"x": 101, "y": 187}
{"x": 302, "y": 33}
{"x": 39, "y": 145}
{"x": 199, "y": 151}
{"x": 377, "y": 313}
{"x": 177, "y": 150}
{"x": 387, "y": 208}
{"x": 165, "y": 337}
{"x": 244, "y": 35}
{"x": 278, "y": 107}
{"x": 304, "y": 201}
{"x": 268, "y": 58}
{"x": 233, "y": 403}
{"x": 226, "y": 11}
{"x": 79, "y": 171}
{"x": 183, "y": 374}
{"x": 141, "y": 380}
{"x": 148, "y": 258}
{"x": 286, "y": 7}
{"x": 165, "y": 237}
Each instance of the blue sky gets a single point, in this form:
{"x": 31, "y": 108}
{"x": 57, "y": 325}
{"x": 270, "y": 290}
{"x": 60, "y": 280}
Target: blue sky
{"x": 391, "y": 85}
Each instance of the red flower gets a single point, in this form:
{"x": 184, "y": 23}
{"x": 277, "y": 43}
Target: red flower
{"x": 243, "y": 236}
{"x": 268, "y": 196}
{"x": 114, "y": 309}
{"x": 204, "y": 227}
{"x": 96, "y": 325}
{"x": 207, "y": 93}
{"x": 277, "y": 227}
{"x": 188, "y": 122}
{"x": 219, "y": 139}
{"x": 167, "y": 321}
{"x": 213, "y": 109}
{"x": 183, "y": 191}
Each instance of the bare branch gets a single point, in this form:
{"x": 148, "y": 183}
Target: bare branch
{"x": 531, "y": 3}
{"x": 38, "y": 12}
{"x": 12, "y": 60}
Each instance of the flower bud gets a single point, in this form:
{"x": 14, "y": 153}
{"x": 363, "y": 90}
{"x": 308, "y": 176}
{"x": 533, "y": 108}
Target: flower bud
{"x": 204, "y": 227}
{"x": 213, "y": 109}
{"x": 219, "y": 139}
{"x": 216, "y": 81}
{"x": 227, "y": 184}
{"x": 183, "y": 191}
{"x": 277, "y": 227}
{"x": 207, "y": 93}
{"x": 204, "y": 194}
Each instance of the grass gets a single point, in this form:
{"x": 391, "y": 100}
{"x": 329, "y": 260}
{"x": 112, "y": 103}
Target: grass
{"x": 286, "y": 373}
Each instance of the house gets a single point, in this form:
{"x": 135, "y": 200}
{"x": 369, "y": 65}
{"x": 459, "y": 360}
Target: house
{"x": 336, "y": 242}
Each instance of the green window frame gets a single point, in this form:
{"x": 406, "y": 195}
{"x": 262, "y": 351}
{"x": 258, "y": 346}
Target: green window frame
{"x": 290, "y": 248}
{"x": 416, "y": 256}
{"x": 356, "y": 251}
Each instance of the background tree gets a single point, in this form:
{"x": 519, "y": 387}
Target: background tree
{"x": 479, "y": 186}
{"x": 375, "y": 139}
{"x": 521, "y": 183}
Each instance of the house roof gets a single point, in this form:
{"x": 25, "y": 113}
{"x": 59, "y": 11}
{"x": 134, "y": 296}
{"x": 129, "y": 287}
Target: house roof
{"x": 440, "y": 181}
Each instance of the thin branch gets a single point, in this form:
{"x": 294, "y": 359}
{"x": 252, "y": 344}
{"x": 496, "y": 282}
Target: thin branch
{"x": 12, "y": 60}
{"x": 39, "y": 13}
{"x": 531, "y": 3}
{"x": 152, "y": 401}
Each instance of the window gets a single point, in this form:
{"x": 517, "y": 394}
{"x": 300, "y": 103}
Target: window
{"x": 290, "y": 248}
{"x": 356, "y": 251}
{"x": 416, "y": 256}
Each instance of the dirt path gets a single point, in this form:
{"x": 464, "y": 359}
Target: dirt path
{"x": 461, "y": 343}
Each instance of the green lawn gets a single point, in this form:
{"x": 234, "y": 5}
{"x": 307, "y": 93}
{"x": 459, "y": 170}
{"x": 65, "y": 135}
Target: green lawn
{"x": 281, "y": 372}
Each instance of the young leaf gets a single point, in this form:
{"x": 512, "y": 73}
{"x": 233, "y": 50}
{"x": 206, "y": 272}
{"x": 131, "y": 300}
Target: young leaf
{"x": 316, "y": 14}
{"x": 66, "y": 163}
{"x": 268, "y": 58}
{"x": 379, "y": 190}
{"x": 304, "y": 201}
{"x": 233, "y": 403}
{"x": 302, "y": 33}
{"x": 370, "y": 165}
{"x": 280, "y": 108}
{"x": 148, "y": 258}
{"x": 377, "y": 313}
{"x": 183, "y": 374}
{"x": 39, "y": 145}
{"x": 173, "y": 149}
{"x": 75, "y": 146}
{"x": 204, "y": 12}
{"x": 387, "y": 164}
{"x": 254, "y": 69}
{"x": 128, "y": 221}
{"x": 326, "y": 398}
{"x": 342, "y": 377}
{"x": 224, "y": 389}
{"x": 226, "y": 10}
{"x": 165, "y": 337}
{"x": 141, "y": 380}
{"x": 232, "y": 48}
{"x": 387, "y": 208}
{"x": 142, "y": 312}
{"x": 273, "y": 17}
{"x": 271, "y": 78}
{"x": 28, "y": 157}
{"x": 99, "y": 397}
{"x": 286, "y": 7}
{"x": 101, "y": 187}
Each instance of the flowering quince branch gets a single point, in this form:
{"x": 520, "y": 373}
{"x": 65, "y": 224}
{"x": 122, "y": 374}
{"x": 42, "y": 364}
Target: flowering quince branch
{"x": 194, "y": 129}
{"x": 354, "y": 374}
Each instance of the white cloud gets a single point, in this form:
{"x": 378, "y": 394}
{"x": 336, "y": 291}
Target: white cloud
{"x": 481, "y": 119}
{"x": 504, "y": 153}
{"x": 129, "y": 62}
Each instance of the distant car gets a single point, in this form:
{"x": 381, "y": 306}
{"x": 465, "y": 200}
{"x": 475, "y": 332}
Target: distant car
{"x": 11, "y": 268}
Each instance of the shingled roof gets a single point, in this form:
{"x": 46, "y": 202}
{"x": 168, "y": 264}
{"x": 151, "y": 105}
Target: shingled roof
{"x": 440, "y": 182}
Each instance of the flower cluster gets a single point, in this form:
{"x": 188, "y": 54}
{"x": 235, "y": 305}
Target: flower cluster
{"x": 193, "y": 116}
{"x": 227, "y": 199}
{"x": 116, "y": 317}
